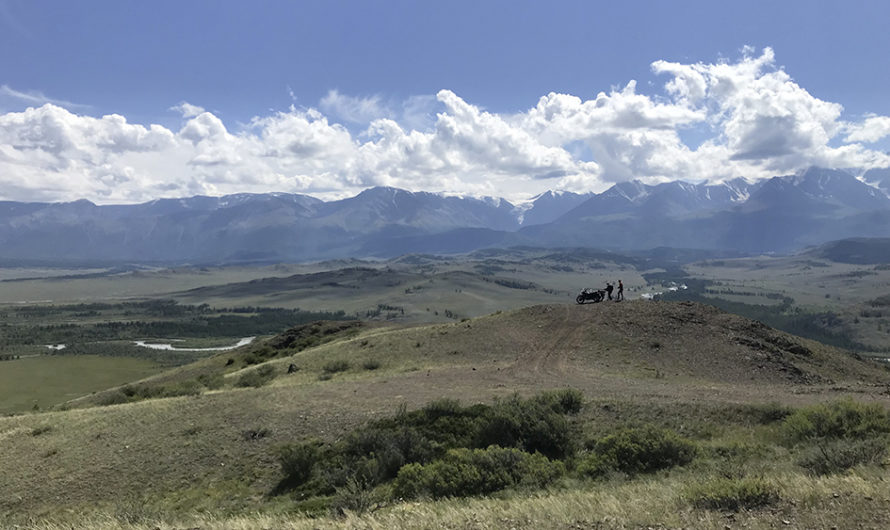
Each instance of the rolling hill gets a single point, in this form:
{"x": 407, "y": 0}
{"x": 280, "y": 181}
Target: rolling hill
{"x": 214, "y": 449}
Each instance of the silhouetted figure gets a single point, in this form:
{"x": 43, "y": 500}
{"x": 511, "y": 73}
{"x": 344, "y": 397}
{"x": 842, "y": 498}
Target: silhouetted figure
{"x": 620, "y": 295}
{"x": 609, "y": 290}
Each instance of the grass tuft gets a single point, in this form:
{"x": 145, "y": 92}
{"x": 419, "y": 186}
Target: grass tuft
{"x": 732, "y": 494}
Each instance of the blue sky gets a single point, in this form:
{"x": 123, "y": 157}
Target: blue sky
{"x": 328, "y": 98}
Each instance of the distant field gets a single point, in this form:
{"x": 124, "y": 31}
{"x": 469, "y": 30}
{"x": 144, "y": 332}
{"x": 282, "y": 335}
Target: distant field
{"x": 842, "y": 294}
{"x": 66, "y": 286}
{"x": 49, "y": 380}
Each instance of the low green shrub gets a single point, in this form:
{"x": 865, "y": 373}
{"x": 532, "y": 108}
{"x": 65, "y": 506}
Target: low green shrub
{"x": 377, "y": 452}
{"x": 258, "y": 377}
{"x": 131, "y": 393}
{"x": 212, "y": 381}
{"x": 371, "y": 364}
{"x": 837, "y": 456}
{"x": 768, "y": 413}
{"x": 840, "y": 419}
{"x": 181, "y": 388}
{"x": 332, "y": 367}
{"x": 466, "y": 472}
{"x": 43, "y": 429}
{"x": 115, "y": 397}
{"x": 563, "y": 401}
{"x": 355, "y": 496}
{"x": 637, "y": 450}
{"x": 534, "y": 425}
{"x": 731, "y": 494}
{"x": 297, "y": 462}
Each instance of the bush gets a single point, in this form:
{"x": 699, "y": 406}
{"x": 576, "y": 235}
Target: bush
{"x": 838, "y": 456}
{"x": 355, "y": 496}
{"x": 333, "y": 367}
{"x": 637, "y": 450}
{"x": 563, "y": 401}
{"x": 115, "y": 397}
{"x": 379, "y": 453}
{"x": 840, "y": 419}
{"x": 732, "y": 494}
{"x": 770, "y": 413}
{"x": 297, "y": 462}
{"x": 258, "y": 377}
{"x": 533, "y": 425}
{"x": 371, "y": 364}
{"x": 441, "y": 408}
{"x": 182, "y": 388}
{"x": 43, "y": 429}
{"x": 381, "y": 450}
{"x": 212, "y": 381}
{"x": 464, "y": 472}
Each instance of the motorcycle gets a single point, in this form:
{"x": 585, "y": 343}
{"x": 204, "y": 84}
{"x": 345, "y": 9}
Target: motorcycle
{"x": 590, "y": 295}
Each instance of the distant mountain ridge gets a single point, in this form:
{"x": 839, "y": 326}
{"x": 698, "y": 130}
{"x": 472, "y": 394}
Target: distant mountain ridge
{"x": 781, "y": 214}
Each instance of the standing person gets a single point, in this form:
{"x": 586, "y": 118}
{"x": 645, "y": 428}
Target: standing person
{"x": 609, "y": 290}
{"x": 620, "y": 291}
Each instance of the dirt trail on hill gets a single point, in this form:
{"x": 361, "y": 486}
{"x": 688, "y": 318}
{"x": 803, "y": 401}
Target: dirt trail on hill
{"x": 672, "y": 340}
{"x": 548, "y": 350}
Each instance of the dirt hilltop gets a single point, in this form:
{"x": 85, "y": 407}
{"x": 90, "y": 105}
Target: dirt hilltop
{"x": 683, "y": 339}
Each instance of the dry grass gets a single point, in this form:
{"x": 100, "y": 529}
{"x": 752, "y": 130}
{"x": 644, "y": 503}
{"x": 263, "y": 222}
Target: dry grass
{"x": 841, "y": 501}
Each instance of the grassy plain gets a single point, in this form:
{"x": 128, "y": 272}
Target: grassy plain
{"x": 817, "y": 286}
{"x": 43, "y": 381}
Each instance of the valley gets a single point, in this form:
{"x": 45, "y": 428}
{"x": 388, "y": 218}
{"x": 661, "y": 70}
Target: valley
{"x": 106, "y": 433}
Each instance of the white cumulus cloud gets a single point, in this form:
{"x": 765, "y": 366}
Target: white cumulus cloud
{"x": 757, "y": 120}
{"x": 873, "y": 129}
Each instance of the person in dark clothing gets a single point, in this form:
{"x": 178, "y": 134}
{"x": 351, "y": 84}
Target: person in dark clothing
{"x": 609, "y": 290}
{"x": 620, "y": 295}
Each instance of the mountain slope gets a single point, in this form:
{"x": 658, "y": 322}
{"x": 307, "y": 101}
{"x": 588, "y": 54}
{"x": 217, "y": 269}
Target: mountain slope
{"x": 779, "y": 215}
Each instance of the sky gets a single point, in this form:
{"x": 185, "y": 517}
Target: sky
{"x": 126, "y": 102}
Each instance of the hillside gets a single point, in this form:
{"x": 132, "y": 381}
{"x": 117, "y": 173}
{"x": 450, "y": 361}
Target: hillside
{"x": 215, "y": 449}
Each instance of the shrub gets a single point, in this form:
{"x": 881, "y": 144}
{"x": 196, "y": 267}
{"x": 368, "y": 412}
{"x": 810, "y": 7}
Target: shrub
{"x": 563, "y": 401}
{"x": 732, "y": 494}
{"x": 533, "y": 425}
{"x": 182, "y": 388}
{"x": 464, "y": 472}
{"x": 297, "y": 462}
{"x": 113, "y": 398}
{"x": 355, "y": 496}
{"x": 371, "y": 364}
{"x": 837, "y": 456}
{"x": 212, "y": 381}
{"x": 381, "y": 452}
{"x": 258, "y": 377}
{"x": 333, "y": 367}
{"x": 441, "y": 408}
{"x": 770, "y": 412}
{"x": 43, "y": 429}
{"x": 637, "y": 450}
{"x": 840, "y": 419}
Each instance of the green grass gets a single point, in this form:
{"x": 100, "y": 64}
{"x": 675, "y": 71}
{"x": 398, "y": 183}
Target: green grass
{"x": 47, "y": 380}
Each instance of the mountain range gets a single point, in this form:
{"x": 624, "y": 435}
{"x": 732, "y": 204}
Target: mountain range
{"x": 782, "y": 214}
